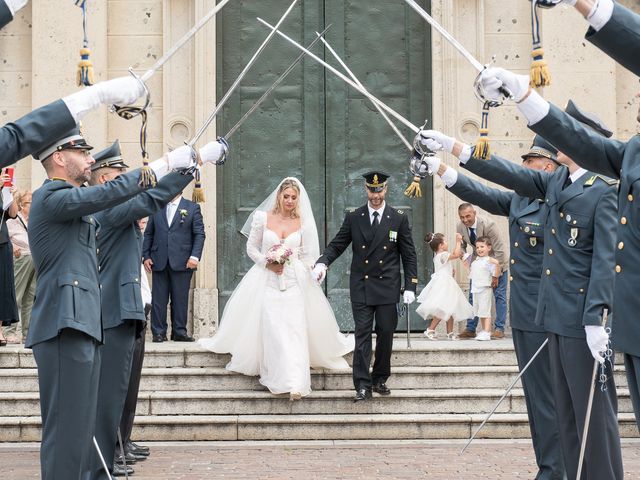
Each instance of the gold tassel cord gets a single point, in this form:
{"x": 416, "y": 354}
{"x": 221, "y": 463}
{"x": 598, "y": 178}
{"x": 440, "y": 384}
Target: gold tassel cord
{"x": 414, "y": 190}
{"x": 84, "y": 75}
{"x": 539, "y": 74}
{"x": 483, "y": 148}
{"x": 197, "y": 195}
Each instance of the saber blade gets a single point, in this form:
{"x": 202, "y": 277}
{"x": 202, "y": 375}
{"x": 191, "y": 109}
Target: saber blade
{"x": 447, "y": 36}
{"x": 273, "y": 87}
{"x": 237, "y": 81}
{"x": 185, "y": 38}
{"x": 340, "y": 75}
{"x": 515, "y": 380}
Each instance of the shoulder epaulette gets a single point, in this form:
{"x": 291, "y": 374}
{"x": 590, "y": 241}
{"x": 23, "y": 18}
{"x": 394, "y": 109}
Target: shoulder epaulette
{"x": 607, "y": 180}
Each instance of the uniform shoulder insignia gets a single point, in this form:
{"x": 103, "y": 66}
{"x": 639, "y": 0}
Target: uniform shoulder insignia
{"x": 607, "y": 180}
{"x": 401, "y": 212}
{"x": 351, "y": 209}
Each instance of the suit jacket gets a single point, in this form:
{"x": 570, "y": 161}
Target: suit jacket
{"x": 173, "y": 244}
{"x": 620, "y": 38}
{"x": 375, "y": 266}
{"x": 120, "y": 249}
{"x": 5, "y": 14}
{"x": 526, "y": 237}
{"x": 619, "y": 160}
{"x": 577, "y": 278}
{"x": 486, "y": 227}
{"x": 62, "y": 237}
{"x": 34, "y": 132}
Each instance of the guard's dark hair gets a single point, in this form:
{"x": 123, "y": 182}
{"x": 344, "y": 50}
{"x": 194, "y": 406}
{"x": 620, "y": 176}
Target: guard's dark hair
{"x": 434, "y": 240}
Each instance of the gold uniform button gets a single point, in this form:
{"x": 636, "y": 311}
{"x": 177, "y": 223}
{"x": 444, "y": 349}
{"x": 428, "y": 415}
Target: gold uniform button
{"x": 548, "y": 272}
{"x": 380, "y": 277}
{"x": 366, "y": 261}
{"x": 512, "y": 261}
{"x": 136, "y": 280}
{"x": 630, "y": 197}
{"x": 510, "y": 278}
{"x": 99, "y": 268}
{"x": 384, "y": 248}
{"x": 366, "y": 277}
{"x": 561, "y": 215}
{"x": 582, "y": 290}
{"x": 97, "y": 251}
{"x": 623, "y": 220}
{"x": 620, "y": 245}
{"x": 380, "y": 262}
{"x": 551, "y": 251}
{"x": 364, "y": 246}
{"x": 515, "y": 244}
{"x": 618, "y": 268}
{"x": 553, "y": 231}
{"x": 75, "y": 282}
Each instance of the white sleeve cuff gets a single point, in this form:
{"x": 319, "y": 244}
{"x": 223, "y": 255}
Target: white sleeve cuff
{"x": 465, "y": 155}
{"x": 15, "y": 5}
{"x": 600, "y": 14}
{"x": 194, "y": 258}
{"x": 534, "y": 107}
{"x": 82, "y": 102}
{"x": 160, "y": 167}
{"x": 449, "y": 177}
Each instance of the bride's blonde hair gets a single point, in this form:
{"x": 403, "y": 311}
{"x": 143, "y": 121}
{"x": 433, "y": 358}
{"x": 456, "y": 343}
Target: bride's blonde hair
{"x": 279, "y": 207}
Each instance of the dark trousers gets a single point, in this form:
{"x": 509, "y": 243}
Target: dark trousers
{"x": 68, "y": 374}
{"x": 386, "y": 321}
{"x": 172, "y": 284}
{"x": 114, "y": 382}
{"x": 571, "y": 371}
{"x": 538, "y": 395}
{"x": 130, "y": 403}
{"x": 632, "y": 367}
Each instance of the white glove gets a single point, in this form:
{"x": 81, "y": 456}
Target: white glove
{"x": 409, "y": 297}
{"x": 493, "y": 78}
{"x": 436, "y": 141}
{"x": 319, "y": 271}
{"x": 15, "y": 5}
{"x": 212, "y": 152}
{"x": 597, "y": 340}
{"x": 123, "y": 90}
{"x": 571, "y": 3}
{"x": 181, "y": 157}
{"x": 433, "y": 164}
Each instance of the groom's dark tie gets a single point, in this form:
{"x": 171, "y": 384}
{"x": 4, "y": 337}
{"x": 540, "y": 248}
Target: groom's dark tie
{"x": 376, "y": 222}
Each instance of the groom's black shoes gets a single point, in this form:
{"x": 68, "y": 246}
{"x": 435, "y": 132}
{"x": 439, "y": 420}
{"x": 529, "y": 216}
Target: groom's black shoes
{"x": 362, "y": 394}
{"x": 381, "y": 388}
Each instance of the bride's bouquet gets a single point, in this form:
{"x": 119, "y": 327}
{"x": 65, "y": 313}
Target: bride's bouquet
{"x": 279, "y": 254}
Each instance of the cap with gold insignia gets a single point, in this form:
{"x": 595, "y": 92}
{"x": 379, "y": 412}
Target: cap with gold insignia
{"x": 589, "y": 119}
{"x": 71, "y": 140}
{"x": 109, "y": 157}
{"x": 375, "y": 181}
{"x": 541, "y": 148}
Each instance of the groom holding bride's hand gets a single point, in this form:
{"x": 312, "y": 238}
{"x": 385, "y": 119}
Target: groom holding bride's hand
{"x": 380, "y": 236}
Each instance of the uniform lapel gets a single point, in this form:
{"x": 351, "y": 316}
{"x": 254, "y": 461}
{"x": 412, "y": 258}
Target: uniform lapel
{"x": 532, "y": 207}
{"x": 364, "y": 222}
{"x": 576, "y": 188}
{"x": 382, "y": 229}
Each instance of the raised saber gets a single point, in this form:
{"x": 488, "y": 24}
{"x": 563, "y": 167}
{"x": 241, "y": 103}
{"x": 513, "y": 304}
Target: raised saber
{"x": 515, "y": 380}
{"x": 340, "y": 75}
{"x": 237, "y": 81}
{"x": 185, "y": 38}
{"x": 359, "y": 83}
{"x": 458, "y": 46}
{"x": 273, "y": 87}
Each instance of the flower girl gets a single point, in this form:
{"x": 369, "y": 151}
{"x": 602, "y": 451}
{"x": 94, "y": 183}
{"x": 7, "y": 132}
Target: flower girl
{"x": 442, "y": 298}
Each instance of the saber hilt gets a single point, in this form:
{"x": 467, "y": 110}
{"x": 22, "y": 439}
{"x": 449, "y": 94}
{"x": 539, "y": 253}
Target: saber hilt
{"x": 129, "y": 111}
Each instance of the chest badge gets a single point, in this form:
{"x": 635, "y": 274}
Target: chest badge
{"x": 572, "y": 240}
{"x": 533, "y": 241}
{"x": 393, "y": 236}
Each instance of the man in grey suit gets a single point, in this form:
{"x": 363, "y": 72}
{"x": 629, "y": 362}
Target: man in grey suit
{"x": 575, "y": 289}
{"x": 33, "y": 132}
{"x": 119, "y": 250}
{"x": 471, "y": 227}
{"x": 614, "y": 29}
{"x": 620, "y": 160}
{"x": 66, "y": 325}
{"x": 526, "y": 236}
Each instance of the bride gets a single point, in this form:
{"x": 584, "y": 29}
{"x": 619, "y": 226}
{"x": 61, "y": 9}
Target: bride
{"x": 278, "y": 323}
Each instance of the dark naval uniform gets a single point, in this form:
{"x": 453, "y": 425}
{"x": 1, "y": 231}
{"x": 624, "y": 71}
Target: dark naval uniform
{"x": 575, "y": 288}
{"x": 374, "y": 284}
{"x": 119, "y": 251}
{"x": 619, "y": 160}
{"x": 526, "y": 235}
{"x": 33, "y": 132}
{"x": 620, "y": 38}
{"x": 66, "y": 325}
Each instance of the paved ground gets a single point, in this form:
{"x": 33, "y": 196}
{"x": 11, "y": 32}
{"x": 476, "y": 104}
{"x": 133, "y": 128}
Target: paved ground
{"x": 435, "y": 460}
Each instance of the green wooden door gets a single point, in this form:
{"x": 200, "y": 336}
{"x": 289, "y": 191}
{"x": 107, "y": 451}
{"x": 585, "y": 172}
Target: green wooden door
{"x": 316, "y": 128}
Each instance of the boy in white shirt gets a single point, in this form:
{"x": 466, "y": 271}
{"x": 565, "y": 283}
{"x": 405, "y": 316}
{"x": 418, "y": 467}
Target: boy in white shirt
{"x": 484, "y": 273}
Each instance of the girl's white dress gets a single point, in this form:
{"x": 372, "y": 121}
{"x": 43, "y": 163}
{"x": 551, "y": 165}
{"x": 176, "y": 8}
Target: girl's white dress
{"x": 276, "y": 334}
{"x": 442, "y": 297}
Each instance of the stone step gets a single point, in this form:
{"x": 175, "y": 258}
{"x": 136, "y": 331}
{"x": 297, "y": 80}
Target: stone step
{"x": 219, "y": 379}
{"x": 316, "y": 427}
{"x": 444, "y": 401}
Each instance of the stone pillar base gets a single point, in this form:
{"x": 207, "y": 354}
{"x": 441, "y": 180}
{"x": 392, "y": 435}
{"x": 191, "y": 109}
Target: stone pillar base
{"x": 205, "y": 312}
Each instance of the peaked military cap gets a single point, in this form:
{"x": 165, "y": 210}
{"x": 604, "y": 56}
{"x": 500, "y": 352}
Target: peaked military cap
{"x": 375, "y": 181}
{"x": 541, "y": 148}
{"x": 589, "y": 119}
{"x": 109, "y": 157}
{"x": 71, "y": 140}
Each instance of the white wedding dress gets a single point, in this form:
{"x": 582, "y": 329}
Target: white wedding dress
{"x": 276, "y": 334}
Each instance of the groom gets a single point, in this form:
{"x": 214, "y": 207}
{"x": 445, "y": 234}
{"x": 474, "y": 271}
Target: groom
{"x": 380, "y": 235}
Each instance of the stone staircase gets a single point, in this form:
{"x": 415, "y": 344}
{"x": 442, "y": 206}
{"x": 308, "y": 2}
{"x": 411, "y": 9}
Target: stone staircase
{"x": 441, "y": 390}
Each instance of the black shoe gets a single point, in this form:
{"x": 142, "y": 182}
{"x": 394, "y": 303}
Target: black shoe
{"x": 158, "y": 339}
{"x": 130, "y": 457}
{"x": 362, "y": 394}
{"x": 381, "y": 388}
{"x": 136, "y": 449}
{"x": 118, "y": 470}
{"x": 182, "y": 338}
